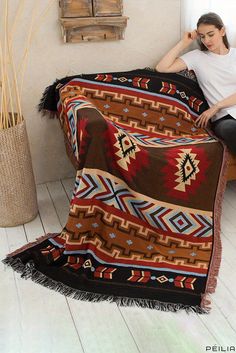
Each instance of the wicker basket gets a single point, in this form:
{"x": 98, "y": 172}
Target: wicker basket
{"x": 18, "y": 198}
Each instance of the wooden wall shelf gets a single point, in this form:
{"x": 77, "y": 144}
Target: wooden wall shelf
{"x": 93, "y": 29}
{"x": 92, "y": 20}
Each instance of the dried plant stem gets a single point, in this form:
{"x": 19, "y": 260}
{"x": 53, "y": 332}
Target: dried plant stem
{"x": 43, "y": 15}
{"x": 8, "y": 82}
{"x": 31, "y": 35}
{"x": 12, "y": 77}
{"x": 4, "y": 104}
{"x": 7, "y": 105}
{"x": 11, "y": 115}
{"x": 26, "y": 51}
{"x": 17, "y": 16}
{"x": 2, "y": 87}
{"x": 4, "y": 78}
{"x": 18, "y": 117}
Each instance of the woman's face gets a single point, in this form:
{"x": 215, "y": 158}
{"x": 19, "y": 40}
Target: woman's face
{"x": 211, "y": 36}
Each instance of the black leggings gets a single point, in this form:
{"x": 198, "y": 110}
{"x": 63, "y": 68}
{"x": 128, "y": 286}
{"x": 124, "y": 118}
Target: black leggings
{"x": 225, "y": 129}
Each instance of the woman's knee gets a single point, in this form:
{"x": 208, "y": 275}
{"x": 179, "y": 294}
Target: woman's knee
{"x": 226, "y": 129}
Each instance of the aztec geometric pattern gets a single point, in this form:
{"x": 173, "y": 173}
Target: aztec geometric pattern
{"x": 143, "y": 225}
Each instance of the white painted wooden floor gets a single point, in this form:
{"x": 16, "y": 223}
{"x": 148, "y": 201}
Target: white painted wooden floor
{"x": 34, "y": 319}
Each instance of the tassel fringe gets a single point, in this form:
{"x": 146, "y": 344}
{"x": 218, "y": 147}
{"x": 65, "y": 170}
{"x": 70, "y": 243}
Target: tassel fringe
{"x": 217, "y": 247}
{"x": 28, "y": 271}
{"x": 48, "y": 103}
{"x": 48, "y": 95}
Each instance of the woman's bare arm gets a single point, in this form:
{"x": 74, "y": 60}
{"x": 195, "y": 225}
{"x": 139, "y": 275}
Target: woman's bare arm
{"x": 203, "y": 119}
{"x": 170, "y": 62}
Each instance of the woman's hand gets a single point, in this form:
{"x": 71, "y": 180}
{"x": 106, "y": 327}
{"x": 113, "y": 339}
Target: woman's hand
{"x": 204, "y": 118}
{"x": 189, "y": 37}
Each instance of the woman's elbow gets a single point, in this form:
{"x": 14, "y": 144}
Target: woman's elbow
{"x": 160, "y": 68}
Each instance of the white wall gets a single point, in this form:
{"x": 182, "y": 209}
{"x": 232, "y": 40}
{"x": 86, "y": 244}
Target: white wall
{"x": 153, "y": 27}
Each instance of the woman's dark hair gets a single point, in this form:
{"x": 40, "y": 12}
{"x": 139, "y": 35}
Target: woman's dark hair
{"x": 212, "y": 18}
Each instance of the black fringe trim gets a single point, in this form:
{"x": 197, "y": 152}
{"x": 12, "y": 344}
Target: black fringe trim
{"x": 148, "y": 68}
{"x": 48, "y": 103}
{"x": 28, "y": 271}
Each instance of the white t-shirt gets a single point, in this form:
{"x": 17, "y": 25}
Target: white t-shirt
{"x": 216, "y": 75}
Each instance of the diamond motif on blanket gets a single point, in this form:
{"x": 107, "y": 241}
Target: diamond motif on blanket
{"x": 188, "y": 169}
{"x": 87, "y": 264}
{"x": 182, "y": 94}
{"x": 185, "y": 171}
{"x": 122, "y": 79}
{"x": 162, "y": 279}
{"x": 127, "y": 149}
{"x": 181, "y": 222}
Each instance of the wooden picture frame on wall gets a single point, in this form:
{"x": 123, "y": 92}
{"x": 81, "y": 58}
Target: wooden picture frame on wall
{"x": 92, "y": 20}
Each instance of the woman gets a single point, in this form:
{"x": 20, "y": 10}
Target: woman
{"x": 215, "y": 67}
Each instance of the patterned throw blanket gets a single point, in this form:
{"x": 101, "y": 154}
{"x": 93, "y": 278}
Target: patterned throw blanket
{"x": 144, "y": 219}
